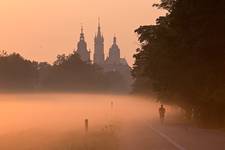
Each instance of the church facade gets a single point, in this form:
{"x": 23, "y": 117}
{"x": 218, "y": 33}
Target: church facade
{"x": 113, "y": 62}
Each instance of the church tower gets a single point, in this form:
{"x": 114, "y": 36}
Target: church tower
{"x": 82, "y": 48}
{"x": 99, "y": 56}
{"x": 114, "y": 53}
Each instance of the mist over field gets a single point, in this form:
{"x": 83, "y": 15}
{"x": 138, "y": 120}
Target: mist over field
{"x": 72, "y": 77}
{"x": 56, "y": 121}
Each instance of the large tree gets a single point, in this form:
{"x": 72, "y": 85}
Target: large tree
{"x": 17, "y": 72}
{"x": 182, "y": 57}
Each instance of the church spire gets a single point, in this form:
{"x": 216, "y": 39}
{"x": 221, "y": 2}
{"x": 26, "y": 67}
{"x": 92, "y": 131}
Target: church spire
{"x": 99, "y": 22}
{"x": 114, "y": 52}
{"x": 114, "y": 40}
{"x": 82, "y": 47}
{"x": 82, "y": 29}
{"x": 82, "y": 34}
{"x": 99, "y": 56}
{"x": 99, "y": 27}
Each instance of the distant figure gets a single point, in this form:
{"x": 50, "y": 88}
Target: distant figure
{"x": 162, "y": 112}
{"x": 112, "y": 104}
{"x": 86, "y": 125}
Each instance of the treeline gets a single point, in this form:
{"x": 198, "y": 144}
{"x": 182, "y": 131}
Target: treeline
{"x": 68, "y": 73}
{"x": 182, "y": 58}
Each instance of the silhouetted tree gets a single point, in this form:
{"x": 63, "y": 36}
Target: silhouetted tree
{"x": 71, "y": 73}
{"x": 43, "y": 73}
{"x": 17, "y": 72}
{"x": 68, "y": 73}
{"x": 182, "y": 57}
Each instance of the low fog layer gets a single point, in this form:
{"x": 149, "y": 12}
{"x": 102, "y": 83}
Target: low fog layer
{"x": 51, "y": 120}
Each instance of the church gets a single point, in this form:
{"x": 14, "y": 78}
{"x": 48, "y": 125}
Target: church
{"x": 113, "y": 62}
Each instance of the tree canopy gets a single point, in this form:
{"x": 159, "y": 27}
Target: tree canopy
{"x": 182, "y": 57}
{"x": 68, "y": 73}
{"x": 17, "y": 72}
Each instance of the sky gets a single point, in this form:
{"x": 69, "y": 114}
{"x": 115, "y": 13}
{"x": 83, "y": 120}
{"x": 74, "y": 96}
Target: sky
{"x": 41, "y": 29}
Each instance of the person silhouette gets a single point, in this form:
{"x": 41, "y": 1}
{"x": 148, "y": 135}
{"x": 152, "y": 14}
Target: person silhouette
{"x": 162, "y": 112}
{"x": 112, "y": 104}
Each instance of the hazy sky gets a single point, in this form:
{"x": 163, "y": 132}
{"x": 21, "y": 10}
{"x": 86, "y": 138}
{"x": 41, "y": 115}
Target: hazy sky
{"x": 41, "y": 29}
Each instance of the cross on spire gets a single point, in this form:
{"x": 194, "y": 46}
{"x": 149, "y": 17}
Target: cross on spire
{"x": 114, "y": 39}
{"x": 82, "y": 33}
{"x": 99, "y": 22}
{"x": 82, "y": 29}
{"x": 99, "y": 26}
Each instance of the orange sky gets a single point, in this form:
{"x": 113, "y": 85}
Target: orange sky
{"x": 41, "y": 29}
